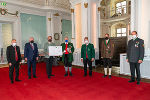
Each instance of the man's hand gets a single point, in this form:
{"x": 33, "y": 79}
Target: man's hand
{"x": 81, "y": 59}
{"x": 20, "y": 63}
{"x": 37, "y": 58}
{"x": 92, "y": 59}
{"x": 127, "y": 60}
{"x": 10, "y": 64}
{"x": 26, "y": 59}
{"x": 70, "y": 52}
{"x": 140, "y": 61}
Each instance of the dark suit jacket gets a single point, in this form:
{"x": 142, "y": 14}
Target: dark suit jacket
{"x": 135, "y": 50}
{"x": 107, "y": 50}
{"x": 90, "y": 51}
{"x": 29, "y": 53}
{"x": 11, "y": 56}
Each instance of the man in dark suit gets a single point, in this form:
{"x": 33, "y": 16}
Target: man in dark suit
{"x": 31, "y": 55}
{"x": 14, "y": 59}
{"x": 87, "y": 55}
{"x": 135, "y": 55}
{"x": 107, "y": 51}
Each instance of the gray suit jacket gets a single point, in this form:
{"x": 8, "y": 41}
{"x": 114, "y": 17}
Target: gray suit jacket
{"x": 135, "y": 50}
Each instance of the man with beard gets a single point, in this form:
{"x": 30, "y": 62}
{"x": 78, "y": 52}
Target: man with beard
{"x": 107, "y": 50}
{"x": 48, "y": 59}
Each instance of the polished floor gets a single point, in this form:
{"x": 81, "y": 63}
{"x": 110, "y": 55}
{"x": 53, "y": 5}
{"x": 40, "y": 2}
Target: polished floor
{"x": 115, "y": 72}
{"x": 100, "y": 69}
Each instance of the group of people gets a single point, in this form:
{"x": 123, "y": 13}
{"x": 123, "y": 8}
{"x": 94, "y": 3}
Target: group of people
{"x": 135, "y": 55}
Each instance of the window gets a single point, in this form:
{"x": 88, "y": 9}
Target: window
{"x": 121, "y": 7}
{"x": 121, "y": 32}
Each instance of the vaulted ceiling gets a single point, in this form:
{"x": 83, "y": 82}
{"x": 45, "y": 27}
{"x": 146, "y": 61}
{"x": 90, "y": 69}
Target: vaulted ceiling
{"x": 52, "y": 3}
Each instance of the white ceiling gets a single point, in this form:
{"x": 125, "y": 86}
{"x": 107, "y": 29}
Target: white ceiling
{"x": 52, "y": 3}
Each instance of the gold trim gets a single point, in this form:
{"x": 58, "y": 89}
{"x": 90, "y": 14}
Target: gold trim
{"x": 99, "y": 8}
{"x": 85, "y": 5}
{"x": 57, "y": 14}
{"x": 49, "y": 19}
{"x": 72, "y": 10}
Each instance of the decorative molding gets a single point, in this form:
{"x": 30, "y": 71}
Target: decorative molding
{"x": 56, "y": 36}
{"x": 99, "y": 9}
{"x": 57, "y": 14}
{"x": 39, "y": 7}
{"x": 5, "y": 11}
{"x": 72, "y": 10}
{"x": 49, "y": 19}
{"x": 86, "y": 5}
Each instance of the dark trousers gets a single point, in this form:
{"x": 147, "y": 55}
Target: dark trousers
{"x": 33, "y": 63}
{"x": 107, "y": 62}
{"x": 49, "y": 63}
{"x": 133, "y": 67}
{"x": 11, "y": 70}
{"x": 66, "y": 61}
{"x": 89, "y": 62}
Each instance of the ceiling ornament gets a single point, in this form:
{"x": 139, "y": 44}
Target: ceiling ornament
{"x": 5, "y": 11}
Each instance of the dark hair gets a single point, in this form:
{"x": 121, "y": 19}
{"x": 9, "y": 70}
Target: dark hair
{"x": 135, "y": 31}
{"x": 86, "y": 38}
{"x": 107, "y": 34}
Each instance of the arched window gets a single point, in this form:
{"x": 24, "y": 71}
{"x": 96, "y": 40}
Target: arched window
{"x": 121, "y": 7}
{"x": 121, "y": 32}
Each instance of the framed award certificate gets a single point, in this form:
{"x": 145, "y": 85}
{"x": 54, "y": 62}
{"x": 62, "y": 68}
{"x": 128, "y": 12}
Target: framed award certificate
{"x": 55, "y": 50}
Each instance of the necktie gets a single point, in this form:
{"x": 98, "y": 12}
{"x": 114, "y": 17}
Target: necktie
{"x": 66, "y": 49}
{"x": 32, "y": 46}
{"x": 16, "y": 54}
{"x": 86, "y": 52}
{"x": 106, "y": 42}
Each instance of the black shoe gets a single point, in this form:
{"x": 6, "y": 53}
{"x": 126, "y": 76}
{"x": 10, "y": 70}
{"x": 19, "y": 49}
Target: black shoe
{"x": 109, "y": 76}
{"x": 138, "y": 83}
{"x": 34, "y": 76}
{"x": 17, "y": 80}
{"x": 85, "y": 75}
{"x": 104, "y": 76}
{"x": 52, "y": 75}
{"x": 12, "y": 82}
{"x": 70, "y": 74}
{"x": 66, "y": 74}
{"x": 49, "y": 77}
{"x": 90, "y": 75}
{"x": 29, "y": 77}
{"x": 130, "y": 81}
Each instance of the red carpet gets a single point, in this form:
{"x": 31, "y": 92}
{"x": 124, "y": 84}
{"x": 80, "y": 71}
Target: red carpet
{"x": 69, "y": 88}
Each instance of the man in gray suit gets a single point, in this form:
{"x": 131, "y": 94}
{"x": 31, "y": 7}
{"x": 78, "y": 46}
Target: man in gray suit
{"x": 135, "y": 55}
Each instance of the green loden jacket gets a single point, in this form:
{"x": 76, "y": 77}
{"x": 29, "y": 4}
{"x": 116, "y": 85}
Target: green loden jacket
{"x": 70, "y": 45}
{"x": 90, "y": 51}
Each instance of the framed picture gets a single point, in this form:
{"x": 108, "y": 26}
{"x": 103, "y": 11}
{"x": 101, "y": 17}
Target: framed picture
{"x": 56, "y": 36}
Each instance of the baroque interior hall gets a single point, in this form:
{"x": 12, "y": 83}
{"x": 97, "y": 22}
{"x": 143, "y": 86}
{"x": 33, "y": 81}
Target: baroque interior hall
{"x": 75, "y": 19}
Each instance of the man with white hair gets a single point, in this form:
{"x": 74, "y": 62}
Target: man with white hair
{"x": 31, "y": 55}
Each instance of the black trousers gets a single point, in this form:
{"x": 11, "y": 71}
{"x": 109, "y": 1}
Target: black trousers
{"x": 66, "y": 61}
{"x": 107, "y": 62}
{"x": 49, "y": 64}
{"x": 133, "y": 67}
{"x": 89, "y": 62}
{"x": 11, "y": 70}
